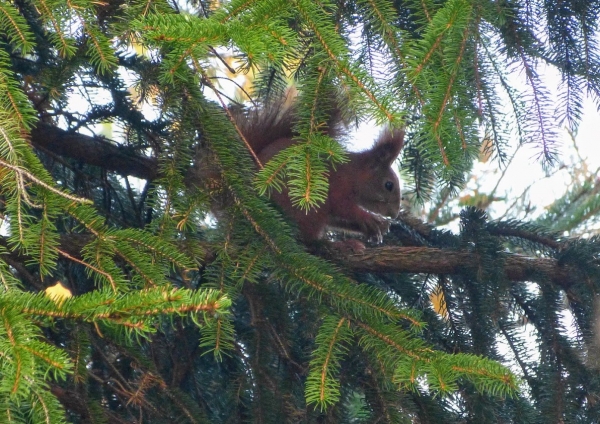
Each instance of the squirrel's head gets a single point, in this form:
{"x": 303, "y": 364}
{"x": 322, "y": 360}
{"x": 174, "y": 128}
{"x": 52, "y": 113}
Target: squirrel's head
{"x": 378, "y": 187}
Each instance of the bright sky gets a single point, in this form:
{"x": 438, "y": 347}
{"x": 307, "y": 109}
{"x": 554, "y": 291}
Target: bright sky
{"x": 525, "y": 171}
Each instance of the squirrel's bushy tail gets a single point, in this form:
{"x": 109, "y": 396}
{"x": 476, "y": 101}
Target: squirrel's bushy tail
{"x": 262, "y": 126}
{"x": 265, "y": 125}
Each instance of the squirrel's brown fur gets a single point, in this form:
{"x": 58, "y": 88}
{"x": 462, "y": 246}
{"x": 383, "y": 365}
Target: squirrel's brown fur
{"x": 362, "y": 192}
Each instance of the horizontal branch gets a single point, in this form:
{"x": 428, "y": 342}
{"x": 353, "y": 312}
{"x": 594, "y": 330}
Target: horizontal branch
{"x": 399, "y": 259}
{"x": 94, "y": 151}
{"x": 426, "y": 260}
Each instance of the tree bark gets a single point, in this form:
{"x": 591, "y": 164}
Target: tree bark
{"x": 427, "y": 260}
{"x": 94, "y": 151}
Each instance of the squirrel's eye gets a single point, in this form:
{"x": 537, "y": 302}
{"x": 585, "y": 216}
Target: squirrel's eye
{"x": 389, "y": 186}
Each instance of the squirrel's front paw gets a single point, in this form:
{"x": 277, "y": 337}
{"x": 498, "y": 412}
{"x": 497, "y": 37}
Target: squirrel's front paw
{"x": 375, "y": 226}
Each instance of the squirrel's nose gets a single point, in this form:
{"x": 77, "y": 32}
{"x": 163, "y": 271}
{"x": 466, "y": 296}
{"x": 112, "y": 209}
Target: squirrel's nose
{"x": 393, "y": 209}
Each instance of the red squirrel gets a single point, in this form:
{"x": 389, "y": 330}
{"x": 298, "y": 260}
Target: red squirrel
{"x": 363, "y": 192}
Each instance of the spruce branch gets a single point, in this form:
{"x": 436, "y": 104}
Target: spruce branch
{"x": 92, "y": 268}
{"x": 23, "y": 174}
{"x": 426, "y": 260}
{"x": 446, "y": 261}
{"x": 337, "y": 52}
{"x": 14, "y": 26}
{"x": 58, "y": 36}
{"x": 323, "y": 386}
{"x": 59, "y": 54}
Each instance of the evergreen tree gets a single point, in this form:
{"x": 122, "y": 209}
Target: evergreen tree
{"x": 122, "y": 301}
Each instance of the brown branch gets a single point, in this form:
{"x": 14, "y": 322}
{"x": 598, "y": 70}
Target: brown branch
{"x": 426, "y": 260}
{"x": 94, "y": 151}
{"x": 397, "y": 259}
{"x": 421, "y": 260}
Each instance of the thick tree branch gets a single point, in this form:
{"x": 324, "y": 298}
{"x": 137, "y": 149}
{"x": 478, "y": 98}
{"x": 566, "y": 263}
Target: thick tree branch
{"x": 446, "y": 261}
{"x": 397, "y": 259}
{"x": 94, "y": 151}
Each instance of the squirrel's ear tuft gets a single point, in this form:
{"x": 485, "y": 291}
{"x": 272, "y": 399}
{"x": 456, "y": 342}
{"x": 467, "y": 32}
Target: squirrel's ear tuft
{"x": 388, "y": 146}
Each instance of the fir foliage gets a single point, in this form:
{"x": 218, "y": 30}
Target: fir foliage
{"x": 186, "y": 296}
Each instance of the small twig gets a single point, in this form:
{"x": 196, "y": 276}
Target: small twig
{"x": 575, "y": 146}
{"x": 23, "y": 272}
{"x": 229, "y": 68}
{"x": 93, "y": 268}
{"x": 209, "y": 83}
{"x": 504, "y": 171}
{"x": 240, "y": 87}
{"x": 433, "y": 215}
{"x": 23, "y": 173}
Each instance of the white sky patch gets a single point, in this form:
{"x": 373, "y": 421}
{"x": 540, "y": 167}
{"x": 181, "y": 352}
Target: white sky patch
{"x": 5, "y": 226}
